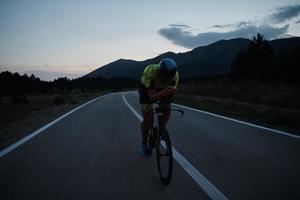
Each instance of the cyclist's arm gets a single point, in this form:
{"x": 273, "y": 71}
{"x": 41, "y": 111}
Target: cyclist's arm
{"x": 167, "y": 92}
{"x": 147, "y": 80}
{"x": 159, "y": 95}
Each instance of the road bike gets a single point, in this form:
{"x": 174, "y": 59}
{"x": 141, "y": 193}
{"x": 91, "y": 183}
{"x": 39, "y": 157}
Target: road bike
{"x": 158, "y": 137}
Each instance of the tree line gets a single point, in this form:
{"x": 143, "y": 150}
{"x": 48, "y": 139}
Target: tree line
{"x": 260, "y": 61}
{"x": 16, "y": 84}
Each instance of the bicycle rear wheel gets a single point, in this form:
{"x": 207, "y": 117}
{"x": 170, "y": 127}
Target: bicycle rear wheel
{"x": 164, "y": 157}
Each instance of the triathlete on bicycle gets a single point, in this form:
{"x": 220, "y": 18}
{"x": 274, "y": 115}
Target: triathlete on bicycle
{"x": 158, "y": 83}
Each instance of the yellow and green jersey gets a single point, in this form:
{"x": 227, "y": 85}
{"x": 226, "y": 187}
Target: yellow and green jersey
{"x": 150, "y": 78}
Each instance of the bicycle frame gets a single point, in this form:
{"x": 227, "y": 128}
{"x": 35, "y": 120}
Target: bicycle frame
{"x": 158, "y": 110}
{"x": 154, "y": 138}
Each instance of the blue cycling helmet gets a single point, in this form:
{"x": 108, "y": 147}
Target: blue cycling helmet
{"x": 167, "y": 68}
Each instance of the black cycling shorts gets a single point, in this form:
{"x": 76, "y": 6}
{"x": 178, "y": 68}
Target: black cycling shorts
{"x": 144, "y": 96}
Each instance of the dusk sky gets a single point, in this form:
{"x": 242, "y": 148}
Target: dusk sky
{"x": 53, "y": 38}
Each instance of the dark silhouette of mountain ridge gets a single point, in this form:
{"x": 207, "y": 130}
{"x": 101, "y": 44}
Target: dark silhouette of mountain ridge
{"x": 213, "y": 59}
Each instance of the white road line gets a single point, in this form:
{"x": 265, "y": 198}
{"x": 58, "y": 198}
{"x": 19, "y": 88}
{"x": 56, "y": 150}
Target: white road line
{"x": 31, "y": 135}
{"x": 238, "y": 121}
{"x": 203, "y": 182}
{"x": 132, "y": 109}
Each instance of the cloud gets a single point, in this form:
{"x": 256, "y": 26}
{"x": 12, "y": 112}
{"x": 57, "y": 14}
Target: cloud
{"x": 285, "y": 13}
{"x": 239, "y": 24}
{"x": 179, "y": 25}
{"x": 221, "y": 26}
{"x": 243, "y": 23}
{"x": 180, "y": 36}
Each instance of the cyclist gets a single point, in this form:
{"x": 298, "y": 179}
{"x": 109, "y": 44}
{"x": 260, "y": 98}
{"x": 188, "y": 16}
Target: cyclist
{"x": 158, "y": 83}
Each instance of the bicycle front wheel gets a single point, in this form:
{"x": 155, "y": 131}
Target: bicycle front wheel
{"x": 164, "y": 156}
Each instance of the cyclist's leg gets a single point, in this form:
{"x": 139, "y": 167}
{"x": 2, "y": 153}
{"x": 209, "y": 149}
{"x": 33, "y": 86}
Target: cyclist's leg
{"x": 145, "y": 104}
{"x": 146, "y": 124}
{"x": 166, "y": 116}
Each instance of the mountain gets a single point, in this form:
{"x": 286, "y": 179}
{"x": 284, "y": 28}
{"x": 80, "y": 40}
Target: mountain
{"x": 213, "y": 59}
{"x": 121, "y": 67}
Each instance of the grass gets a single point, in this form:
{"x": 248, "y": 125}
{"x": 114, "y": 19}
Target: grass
{"x": 275, "y": 117}
{"x": 273, "y": 94}
{"x": 20, "y": 116}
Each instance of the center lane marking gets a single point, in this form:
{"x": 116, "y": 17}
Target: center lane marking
{"x": 200, "y": 179}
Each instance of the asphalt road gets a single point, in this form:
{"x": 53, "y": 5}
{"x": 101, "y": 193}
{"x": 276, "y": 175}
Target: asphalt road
{"x": 92, "y": 154}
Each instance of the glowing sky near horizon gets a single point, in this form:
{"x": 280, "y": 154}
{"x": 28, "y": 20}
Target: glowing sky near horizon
{"x": 53, "y": 38}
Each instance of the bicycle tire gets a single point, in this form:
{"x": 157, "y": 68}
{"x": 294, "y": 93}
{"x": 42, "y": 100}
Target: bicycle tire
{"x": 165, "y": 178}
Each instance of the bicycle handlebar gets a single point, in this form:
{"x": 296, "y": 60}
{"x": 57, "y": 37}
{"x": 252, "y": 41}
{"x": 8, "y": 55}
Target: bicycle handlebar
{"x": 159, "y": 109}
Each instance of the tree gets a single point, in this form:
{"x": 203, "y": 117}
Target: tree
{"x": 256, "y": 61}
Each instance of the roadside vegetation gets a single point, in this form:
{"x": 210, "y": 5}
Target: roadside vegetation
{"x": 263, "y": 87}
{"x": 268, "y": 105}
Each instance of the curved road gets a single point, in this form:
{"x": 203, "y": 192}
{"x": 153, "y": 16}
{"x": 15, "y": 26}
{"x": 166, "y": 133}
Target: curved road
{"x": 91, "y": 153}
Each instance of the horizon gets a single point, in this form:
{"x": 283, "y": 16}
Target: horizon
{"x": 44, "y": 39}
{"x": 75, "y": 76}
